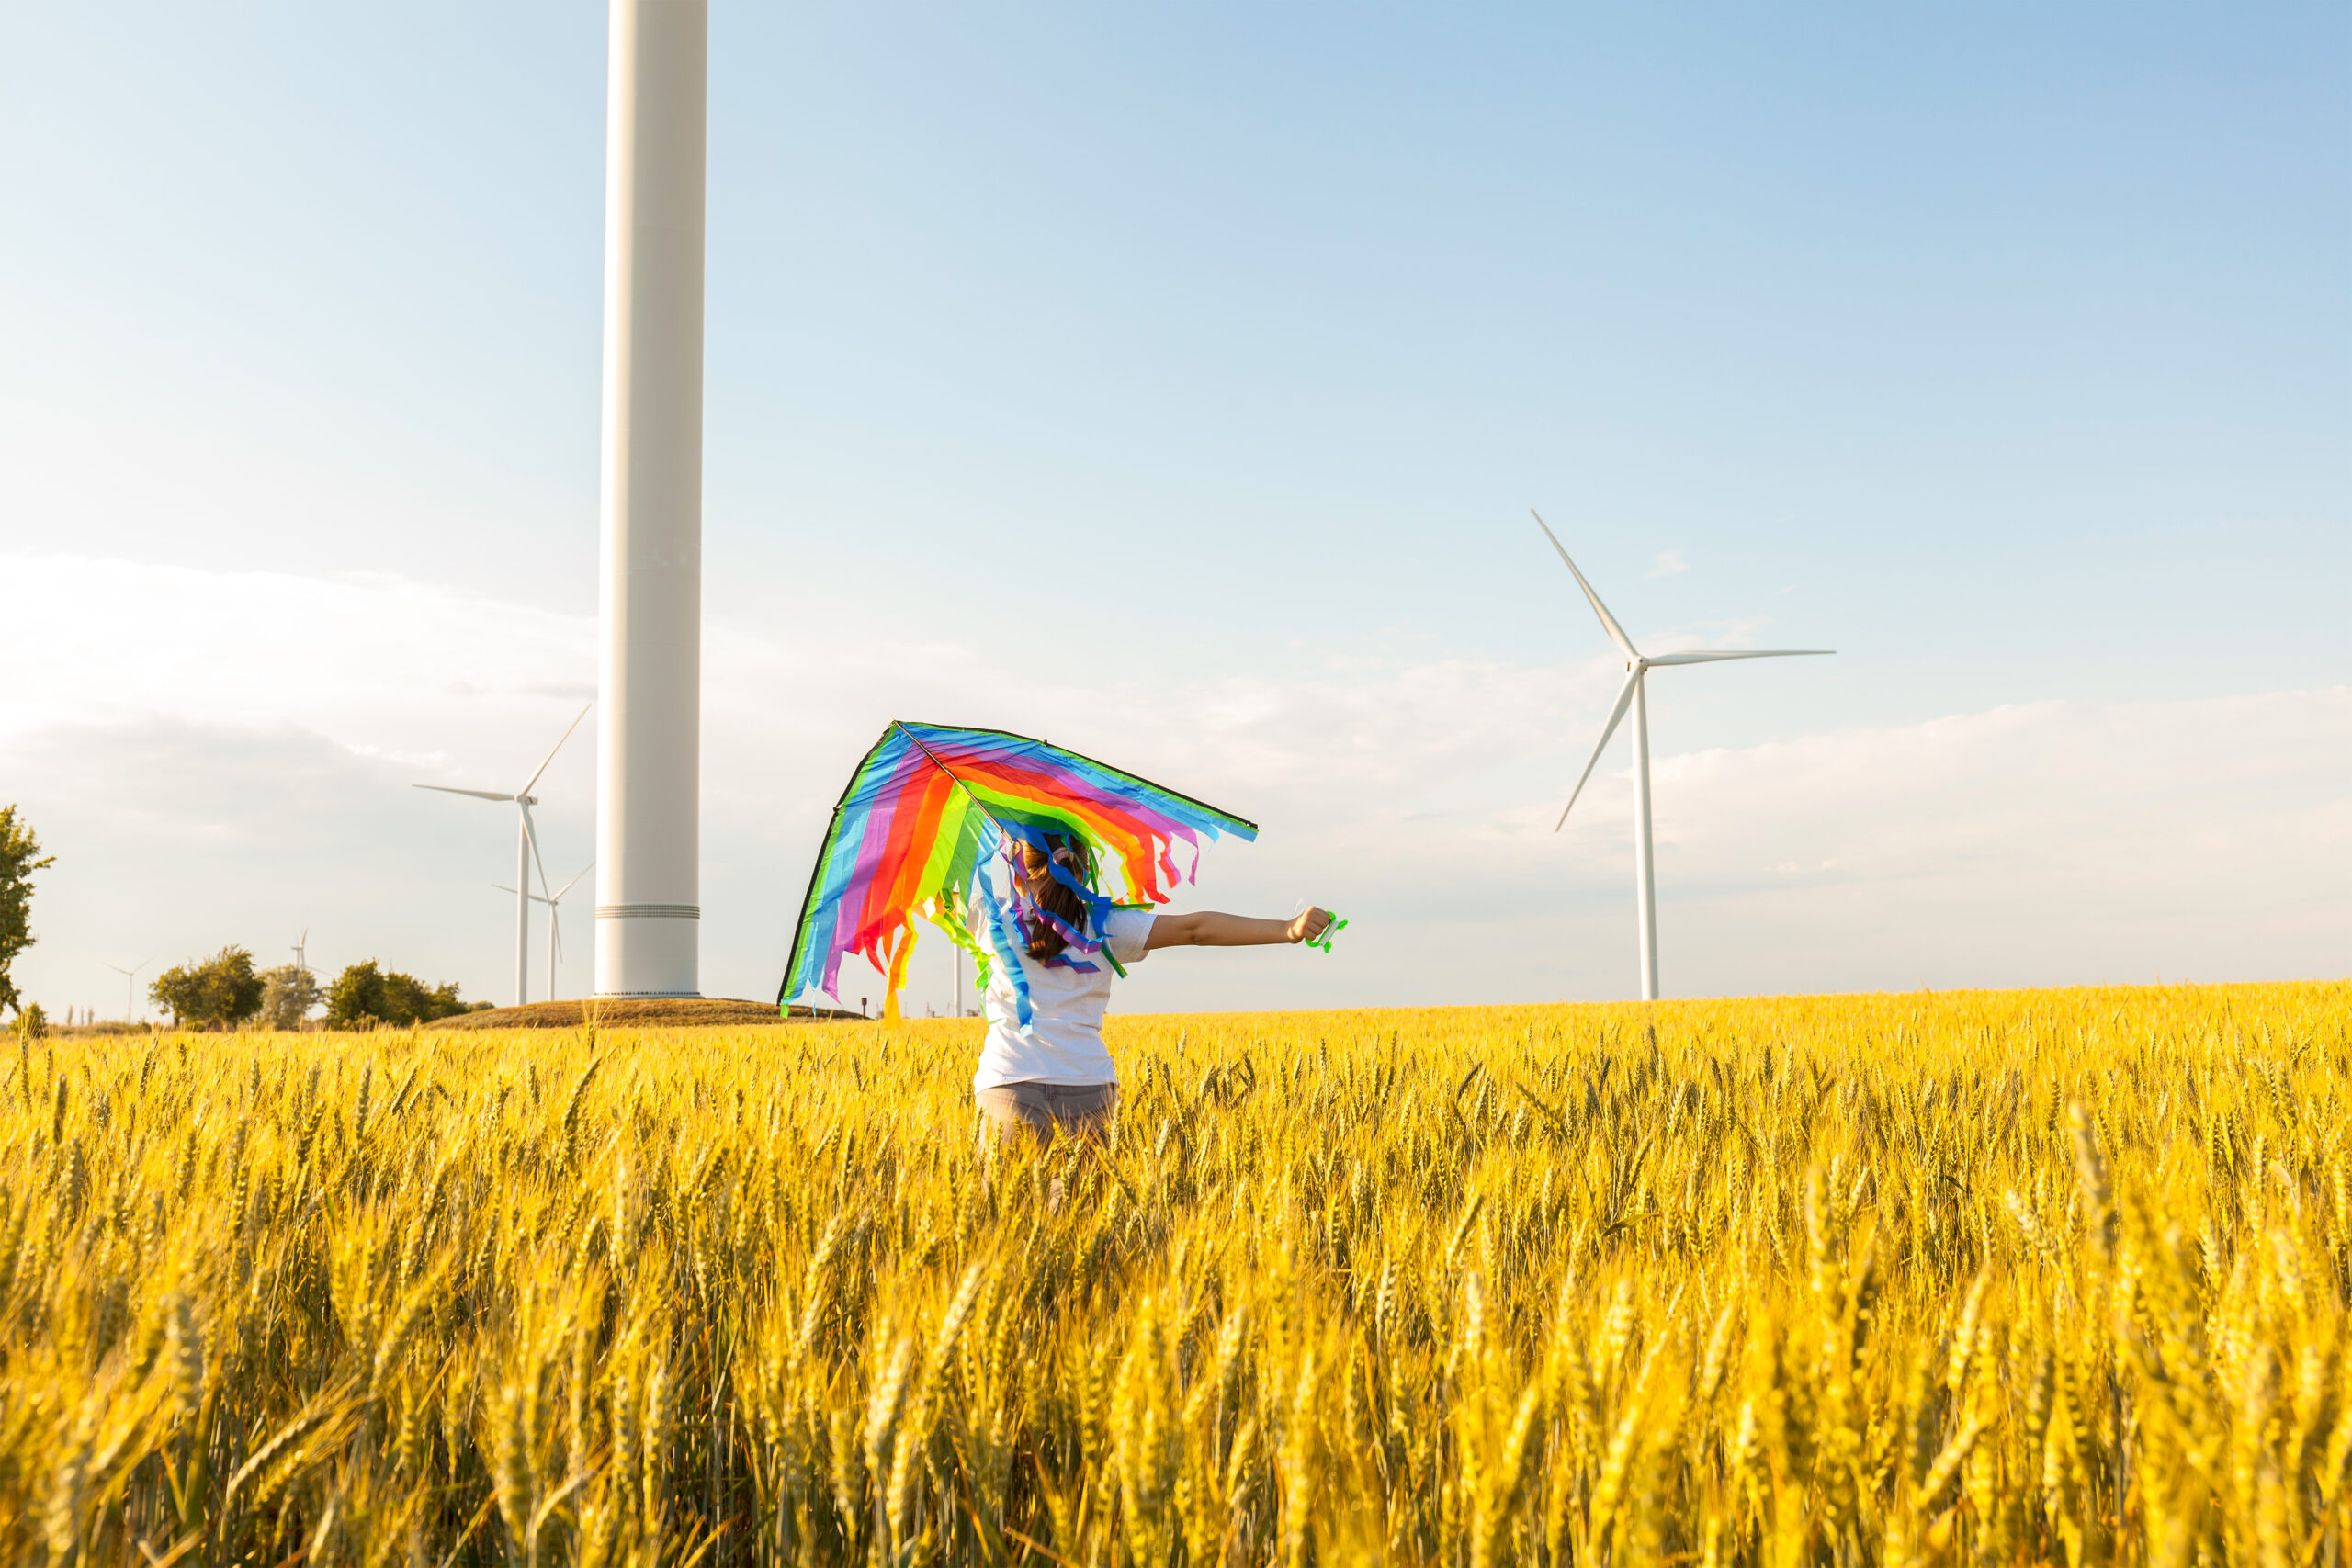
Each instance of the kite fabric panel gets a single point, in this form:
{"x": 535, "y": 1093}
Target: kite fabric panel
{"x": 927, "y": 827}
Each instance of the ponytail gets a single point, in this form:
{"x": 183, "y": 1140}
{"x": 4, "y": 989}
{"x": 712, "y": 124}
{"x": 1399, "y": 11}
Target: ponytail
{"x": 1053, "y": 896}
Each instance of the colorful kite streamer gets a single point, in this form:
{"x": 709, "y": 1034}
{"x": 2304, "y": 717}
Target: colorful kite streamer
{"x": 926, "y": 827}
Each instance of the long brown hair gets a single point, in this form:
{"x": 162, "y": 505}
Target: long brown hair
{"x": 1051, "y": 896}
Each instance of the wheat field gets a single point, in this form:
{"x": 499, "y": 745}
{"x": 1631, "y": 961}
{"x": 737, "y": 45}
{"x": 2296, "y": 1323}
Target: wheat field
{"x": 1995, "y": 1278}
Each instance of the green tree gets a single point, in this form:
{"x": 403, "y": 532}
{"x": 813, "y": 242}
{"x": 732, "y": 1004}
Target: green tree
{"x": 410, "y": 1000}
{"x": 364, "y": 994}
{"x": 225, "y": 989}
{"x": 356, "y": 997}
{"x": 288, "y": 994}
{"x": 21, "y": 856}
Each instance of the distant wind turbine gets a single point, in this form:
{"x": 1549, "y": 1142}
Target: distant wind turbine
{"x": 129, "y": 978}
{"x": 1635, "y": 695}
{"x": 554, "y": 902}
{"x": 527, "y": 850}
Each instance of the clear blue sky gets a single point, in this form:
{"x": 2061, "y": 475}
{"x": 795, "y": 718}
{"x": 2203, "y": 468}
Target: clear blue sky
{"x": 1130, "y": 351}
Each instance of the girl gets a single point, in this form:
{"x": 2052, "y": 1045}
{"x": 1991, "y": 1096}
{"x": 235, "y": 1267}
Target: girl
{"x": 1056, "y": 1075}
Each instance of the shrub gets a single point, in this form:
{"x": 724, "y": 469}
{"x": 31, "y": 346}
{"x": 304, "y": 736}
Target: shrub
{"x": 225, "y": 990}
{"x": 364, "y": 994}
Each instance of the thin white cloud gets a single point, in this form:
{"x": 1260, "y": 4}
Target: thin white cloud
{"x": 1669, "y": 562}
{"x": 239, "y": 769}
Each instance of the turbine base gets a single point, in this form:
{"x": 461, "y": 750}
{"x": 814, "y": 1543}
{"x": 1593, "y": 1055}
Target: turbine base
{"x": 648, "y": 951}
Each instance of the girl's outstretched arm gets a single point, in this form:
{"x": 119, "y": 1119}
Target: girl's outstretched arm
{"x": 1210, "y": 929}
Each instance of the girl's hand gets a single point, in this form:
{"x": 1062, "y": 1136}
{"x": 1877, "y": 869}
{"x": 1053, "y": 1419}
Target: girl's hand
{"x": 1210, "y": 929}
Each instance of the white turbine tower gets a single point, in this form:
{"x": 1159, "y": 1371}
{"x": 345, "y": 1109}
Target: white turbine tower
{"x": 554, "y": 901}
{"x": 527, "y": 849}
{"x": 1634, "y": 693}
{"x": 649, "y": 666}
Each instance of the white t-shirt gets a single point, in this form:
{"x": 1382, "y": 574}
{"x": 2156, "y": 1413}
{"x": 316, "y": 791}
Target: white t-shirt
{"x": 1064, "y": 1040}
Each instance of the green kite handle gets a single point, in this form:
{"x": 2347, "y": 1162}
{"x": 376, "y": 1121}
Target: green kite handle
{"x": 1334, "y": 928}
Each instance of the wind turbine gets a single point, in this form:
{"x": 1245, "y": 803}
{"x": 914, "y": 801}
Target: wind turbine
{"x": 555, "y": 922}
{"x": 129, "y": 978}
{"x": 527, "y": 850}
{"x": 1634, "y": 693}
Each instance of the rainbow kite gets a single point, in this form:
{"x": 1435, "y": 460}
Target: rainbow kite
{"x": 926, "y": 828}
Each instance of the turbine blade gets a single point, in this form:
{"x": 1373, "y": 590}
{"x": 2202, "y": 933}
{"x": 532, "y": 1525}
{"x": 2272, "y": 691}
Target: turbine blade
{"x": 575, "y": 879}
{"x": 1744, "y": 653}
{"x": 555, "y": 930}
{"x": 1608, "y": 622}
{"x": 476, "y": 793}
{"x": 557, "y": 747}
{"x": 1616, "y": 716}
{"x": 531, "y": 833}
